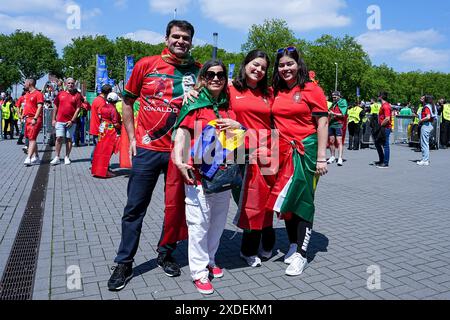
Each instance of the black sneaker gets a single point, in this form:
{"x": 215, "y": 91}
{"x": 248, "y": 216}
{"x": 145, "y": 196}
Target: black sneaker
{"x": 120, "y": 277}
{"x": 168, "y": 264}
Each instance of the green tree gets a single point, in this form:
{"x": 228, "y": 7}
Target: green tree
{"x": 27, "y": 55}
{"x": 204, "y": 53}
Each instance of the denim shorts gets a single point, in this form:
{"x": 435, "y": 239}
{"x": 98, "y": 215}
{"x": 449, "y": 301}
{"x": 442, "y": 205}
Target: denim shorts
{"x": 62, "y": 131}
{"x": 337, "y": 132}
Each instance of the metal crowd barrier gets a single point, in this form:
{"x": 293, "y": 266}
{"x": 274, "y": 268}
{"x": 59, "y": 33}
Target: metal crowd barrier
{"x": 402, "y": 128}
{"x": 414, "y": 134}
{"x": 47, "y": 127}
{"x": 366, "y": 129}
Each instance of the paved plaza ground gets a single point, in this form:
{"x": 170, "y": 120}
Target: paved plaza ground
{"x": 394, "y": 221}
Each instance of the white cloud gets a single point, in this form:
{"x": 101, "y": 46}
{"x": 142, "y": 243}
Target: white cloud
{"x": 168, "y": 6}
{"x": 301, "y": 15}
{"x": 24, "y": 6}
{"x": 89, "y": 14}
{"x": 426, "y": 58}
{"x": 121, "y": 4}
{"x": 145, "y": 36}
{"x": 392, "y": 41}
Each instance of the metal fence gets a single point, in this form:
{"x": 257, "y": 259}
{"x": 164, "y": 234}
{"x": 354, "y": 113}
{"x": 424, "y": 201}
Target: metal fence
{"x": 366, "y": 129}
{"x": 403, "y": 126}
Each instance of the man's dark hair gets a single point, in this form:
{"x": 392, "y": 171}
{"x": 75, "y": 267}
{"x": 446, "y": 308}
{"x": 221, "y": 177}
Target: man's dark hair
{"x": 182, "y": 24}
{"x": 383, "y": 95}
{"x": 106, "y": 88}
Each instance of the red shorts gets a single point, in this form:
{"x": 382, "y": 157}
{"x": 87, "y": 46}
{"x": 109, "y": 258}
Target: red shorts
{"x": 32, "y": 131}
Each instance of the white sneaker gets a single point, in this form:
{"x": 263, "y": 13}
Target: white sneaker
{"x": 252, "y": 261}
{"x": 331, "y": 160}
{"x": 265, "y": 255}
{"x": 27, "y": 162}
{"x": 55, "y": 161}
{"x": 67, "y": 160}
{"x": 423, "y": 163}
{"x": 290, "y": 255}
{"x": 297, "y": 266}
{"x": 340, "y": 162}
{"x": 35, "y": 161}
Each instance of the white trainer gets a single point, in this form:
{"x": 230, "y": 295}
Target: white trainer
{"x": 340, "y": 162}
{"x": 55, "y": 161}
{"x": 423, "y": 163}
{"x": 297, "y": 266}
{"x": 67, "y": 160}
{"x": 35, "y": 161}
{"x": 27, "y": 162}
{"x": 252, "y": 261}
{"x": 331, "y": 160}
{"x": 290, "y": 254}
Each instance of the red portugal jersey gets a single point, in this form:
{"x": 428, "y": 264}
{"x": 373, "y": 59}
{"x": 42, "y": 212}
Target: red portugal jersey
{"x": 67, "y": 104}
{"x": 32, "y": 99}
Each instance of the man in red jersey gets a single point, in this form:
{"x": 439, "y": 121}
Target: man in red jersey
{"x": 384, "y": 120}
{"x": 34, "y": 102}
{"x": 99, "y": 101}
{"x": 160, "y": 82}
{"x": 67, "y": 106}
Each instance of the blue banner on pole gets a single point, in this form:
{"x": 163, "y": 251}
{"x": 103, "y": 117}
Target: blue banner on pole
{"x": 357, "y": 92}
{"x": 230, "y": 70}
{"x": 101, "y": 75}
{"x": 129, "y": 65}
{"x": 111, "y": 82}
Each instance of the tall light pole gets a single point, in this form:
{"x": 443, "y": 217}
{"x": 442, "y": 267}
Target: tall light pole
{"x": 336, "y": 83}
{"x": 214, "y": 53}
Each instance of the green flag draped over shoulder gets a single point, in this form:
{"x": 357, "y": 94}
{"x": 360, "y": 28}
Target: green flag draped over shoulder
{"x": 299, "y": 198}
{"x": 204, "y": 100}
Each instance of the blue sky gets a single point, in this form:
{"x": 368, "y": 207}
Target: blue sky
{"x": 413, "y": 35}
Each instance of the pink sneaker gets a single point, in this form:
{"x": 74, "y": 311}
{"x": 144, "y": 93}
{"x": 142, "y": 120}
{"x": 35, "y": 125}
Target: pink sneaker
{"x": 204, "y": 286}
{"x": 215, "y": 271}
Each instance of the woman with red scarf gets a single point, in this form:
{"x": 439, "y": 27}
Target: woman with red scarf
{"x": 110, "y": 122}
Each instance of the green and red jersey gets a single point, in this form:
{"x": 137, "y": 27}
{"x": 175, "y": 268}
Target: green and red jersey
{"x": 294, "y": 111}
{"x": 160, "y": 82}
{"x": 339, "y": 107}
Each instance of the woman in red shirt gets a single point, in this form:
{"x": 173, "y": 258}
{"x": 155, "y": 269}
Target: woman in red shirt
{"x": 300, "y": 115}
{"x": 110, "y": 123}
{"x": 251, "y": 100}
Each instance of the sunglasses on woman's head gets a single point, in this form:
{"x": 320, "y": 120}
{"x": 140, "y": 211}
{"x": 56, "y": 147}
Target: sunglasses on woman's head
{"x": 289, "y": 49}
{"x": 211, "y": 75}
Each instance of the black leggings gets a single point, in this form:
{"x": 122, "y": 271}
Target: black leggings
{"x": 299, "y": 232}
{"x": 252, "y": 238}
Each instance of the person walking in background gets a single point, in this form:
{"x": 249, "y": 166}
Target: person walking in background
{"x": 67, "y": 106}
{"x": 426, "y": 122}
{"x": 300, "y": 115}
{"x": 355, "y": 117}
{"x": 7, "y": 118}
{"x": 110, "y": 124}
{"x": 445, "y": 123}
{"x": 337, "y": 114}
{"x": 33, "y": 110}
{"x": 94, "y": 124}
{"x": 382, "y": 141}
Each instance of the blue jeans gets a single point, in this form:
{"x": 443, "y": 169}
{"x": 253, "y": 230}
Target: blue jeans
{"x": 146, "y": 168}
{"x": 384, "y": 156}
{"x": 425, "y": 140}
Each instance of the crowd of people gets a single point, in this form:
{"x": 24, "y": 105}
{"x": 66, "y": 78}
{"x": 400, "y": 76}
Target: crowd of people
{"x": 190, "y": 125}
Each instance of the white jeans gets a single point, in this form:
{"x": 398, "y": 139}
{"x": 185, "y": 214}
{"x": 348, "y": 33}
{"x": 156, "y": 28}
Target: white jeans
{"x": 206, "y": 216}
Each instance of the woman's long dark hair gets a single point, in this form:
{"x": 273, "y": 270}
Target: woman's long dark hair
{"x": 302, "y": 75}
{"x": 240, "y": 82}
{"x": 209, "y": 64}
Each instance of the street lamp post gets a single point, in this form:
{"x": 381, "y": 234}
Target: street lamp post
{"x": 336, "y": 83}
{"x": 214, "y": 53}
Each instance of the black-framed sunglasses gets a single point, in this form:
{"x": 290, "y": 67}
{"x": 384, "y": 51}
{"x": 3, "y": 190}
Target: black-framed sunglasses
{"x": 289, "y": 49}
{"x": 211, "y": 75}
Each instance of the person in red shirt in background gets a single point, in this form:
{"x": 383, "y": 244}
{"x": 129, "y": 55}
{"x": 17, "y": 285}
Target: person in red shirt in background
{"x": 426, "y": 121}
{"x": 384, "y": 119}
{"x": 110, "y": 123}
{"x": 94, "y": 123}
{"x": 34, "y": 102}
{"x": 67, "y": 106}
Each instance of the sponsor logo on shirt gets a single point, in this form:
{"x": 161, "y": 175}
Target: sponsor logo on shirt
{"x": 240, "y": 97}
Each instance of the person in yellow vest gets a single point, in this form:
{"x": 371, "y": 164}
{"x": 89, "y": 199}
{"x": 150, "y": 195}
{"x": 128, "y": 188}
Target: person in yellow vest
{"x": 7, "y": 118}
{"x": 374, "y": 107}
{"x": 355, "y": 117}
{"x": 445, "y": 123}
{"x": 15, "y": 118}
{"x": 119, "y": 105}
